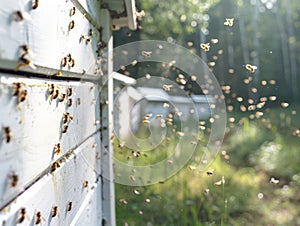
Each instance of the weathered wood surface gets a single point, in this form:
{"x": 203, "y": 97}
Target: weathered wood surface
{"x": 52, "y": 59}
{"x": 67, "y": 188}
{"x": 51, "y": 31}
{"x": 37, "y": 126}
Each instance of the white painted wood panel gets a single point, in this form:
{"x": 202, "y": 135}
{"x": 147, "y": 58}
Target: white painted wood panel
{"x": 33, "y": 122}
{"x": 36, "y": 126}
{"x": 66, "y": 184}
{"x": 47, "y": 31}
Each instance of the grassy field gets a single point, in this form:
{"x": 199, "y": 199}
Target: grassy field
{"x": 254, "y": 151}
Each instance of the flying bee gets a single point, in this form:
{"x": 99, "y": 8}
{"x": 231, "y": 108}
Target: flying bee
{"x": 71, "y": 25}
{"x": 206, "y": 191}
{"x": 166, "y": 105}
{"x": 82, "y": 38}
{"x": 22, "y": 96}
{"x": 147, "y": 116}
{"x": 63, "y": 62}
{"x": 229, "y": 22}
{"x": 136, "y": 154}
{"x": 57, "y": 149}
{"x": 284, "y": 104}
{"x": 158, "y": 116}
{"x": 72, "y": 63}
{"x": 25, "y": 62}
{"x": 62, "y": 97}
{"x": 38, "y": 218}
{"x": 51, "y": 89}
{"x": 67, "y": 117}
{"x": 54, "y": 211}
{"x": 14, "y": 179}
{"x": 146, "y": 122}
{"x": 205, "y": 47}
{"x": 167, "y": 87}
{"x": 251, "y": 68}
{"x": 85, "y": 184}
{"x": 139, "y": 15}
{"x": 35, "y": 4}
{"x": 180, "y": 134}
{"x": 69, "y": 206}
{"x": 21, "y": 216}
{"x": 136, "y": 192}
{"x": 17, "y": 16}
{"x": 70, "y": 102}
{"x": 123, "y": 201}
{"x": 65, "y": 129}
{"x": 54, "y": 166}
{"x": 7, "y": 134}
{"x": 218, "y": 183}
{"x": 25, "y": 48}
{"x": 88, "y": 40}
{"x": 91, "y": 32}
{"x": 69, "y": 57}
{"x": 274, "y": 181}
{"x": 72, "y": 11}
{"x": 132, "y": 178}
{"x": 16, "y": 88}
{"x": 209, "y": 172}
{"x": 192, "y": 167}
{"x": 55, "y": 94}
{"x": 147, "y": 53}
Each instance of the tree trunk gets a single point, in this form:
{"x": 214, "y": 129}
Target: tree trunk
{"x": 243, "y": 37}
{"x": 284, "y": 47}
{"x": 293, "y": 60}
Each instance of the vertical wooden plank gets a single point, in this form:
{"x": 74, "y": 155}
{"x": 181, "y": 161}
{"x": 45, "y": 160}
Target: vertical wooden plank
{"x": 108, "y": 209}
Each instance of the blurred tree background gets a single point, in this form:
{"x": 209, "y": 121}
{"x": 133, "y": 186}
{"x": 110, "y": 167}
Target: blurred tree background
{"x": 260, "y": 143}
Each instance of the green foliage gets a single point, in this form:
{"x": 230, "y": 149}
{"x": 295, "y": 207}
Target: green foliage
{"x": 255, "y": 149}
{"x": 255, "y": 155}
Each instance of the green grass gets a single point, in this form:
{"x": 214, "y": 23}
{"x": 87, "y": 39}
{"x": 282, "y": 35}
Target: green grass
{"x": 258, "y": 149}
